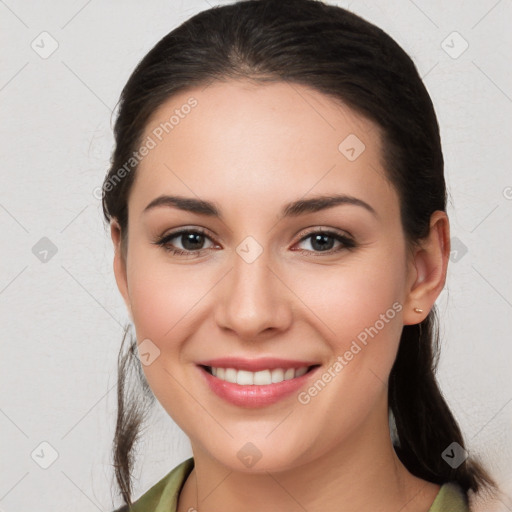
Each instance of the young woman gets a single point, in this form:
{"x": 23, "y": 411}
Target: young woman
{"x": 277, "y": 205}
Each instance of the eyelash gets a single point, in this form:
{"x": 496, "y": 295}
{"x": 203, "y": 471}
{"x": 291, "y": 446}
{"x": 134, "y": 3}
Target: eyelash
{"x": 347, "y": 243}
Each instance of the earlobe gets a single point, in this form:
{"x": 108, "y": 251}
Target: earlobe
{"x": 428, "y": 270}
{"x": 119, "y": 263}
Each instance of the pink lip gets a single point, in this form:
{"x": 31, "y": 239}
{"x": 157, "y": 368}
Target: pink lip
{"x": 255, "y": 365}
{"x": 253, "y": 396}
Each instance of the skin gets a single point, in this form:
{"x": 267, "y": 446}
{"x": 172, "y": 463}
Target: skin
{"x": 251, "y": 149}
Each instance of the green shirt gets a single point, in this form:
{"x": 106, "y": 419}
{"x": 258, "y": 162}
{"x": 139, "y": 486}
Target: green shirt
{"x": 163, "y": 496}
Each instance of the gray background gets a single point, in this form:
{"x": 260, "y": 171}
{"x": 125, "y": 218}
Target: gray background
{"x": 60, "y": 312}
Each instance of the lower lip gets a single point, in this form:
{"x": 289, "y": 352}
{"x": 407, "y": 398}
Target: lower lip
{"x": 252, "y": 396}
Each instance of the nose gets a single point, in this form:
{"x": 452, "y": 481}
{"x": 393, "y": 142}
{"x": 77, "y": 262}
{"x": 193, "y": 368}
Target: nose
{"x": 252, "y": 300}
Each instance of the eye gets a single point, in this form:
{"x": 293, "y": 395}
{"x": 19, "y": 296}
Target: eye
{"x": 191, "y": 240}
{"x": 322, "y": 241}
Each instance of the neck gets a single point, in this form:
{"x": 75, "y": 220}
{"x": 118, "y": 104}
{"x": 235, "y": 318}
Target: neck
{"x": 362, "y": 473}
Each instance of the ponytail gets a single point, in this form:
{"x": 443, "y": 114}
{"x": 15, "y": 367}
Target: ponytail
{"x": 425, "y": 426}
{"x": 134, "y": 400}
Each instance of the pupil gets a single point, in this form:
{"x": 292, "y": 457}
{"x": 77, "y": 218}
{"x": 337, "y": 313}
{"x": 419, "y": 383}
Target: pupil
{"x": 317, "y": 240}
{"x": 192, "y": 238}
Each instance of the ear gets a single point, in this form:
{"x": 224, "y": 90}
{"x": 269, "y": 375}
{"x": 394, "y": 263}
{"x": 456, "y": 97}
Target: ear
{"x": 120, "y": 263}
{"x": 427, "y": 269}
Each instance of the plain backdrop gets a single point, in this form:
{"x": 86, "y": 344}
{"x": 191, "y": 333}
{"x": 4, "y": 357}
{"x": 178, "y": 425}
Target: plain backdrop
{"x": 63, "y": 65}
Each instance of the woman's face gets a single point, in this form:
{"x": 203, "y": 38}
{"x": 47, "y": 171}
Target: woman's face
{"x": 259, "y": 280}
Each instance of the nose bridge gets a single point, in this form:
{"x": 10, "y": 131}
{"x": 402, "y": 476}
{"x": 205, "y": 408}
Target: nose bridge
{"x": 252, "y": 300}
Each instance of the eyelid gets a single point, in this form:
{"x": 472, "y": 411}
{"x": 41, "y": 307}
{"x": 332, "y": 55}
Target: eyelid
{"x": 164, "y": 239}
{"x": 185, "y": 229}
{"x": 343, "y": 237}
{"x": 301, "y": 235}
{"x": 329, "y": 231}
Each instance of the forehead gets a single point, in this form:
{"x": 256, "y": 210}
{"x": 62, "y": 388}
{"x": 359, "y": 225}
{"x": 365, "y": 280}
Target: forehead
{"x": 240, "y": 111}
{"x": 250, "y": 141}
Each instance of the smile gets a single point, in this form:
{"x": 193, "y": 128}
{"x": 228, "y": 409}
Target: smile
{"x": 253, "y": 389}
{"x": 259, "y": 378}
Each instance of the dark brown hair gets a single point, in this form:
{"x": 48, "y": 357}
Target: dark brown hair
{"x": 345, "y": 57}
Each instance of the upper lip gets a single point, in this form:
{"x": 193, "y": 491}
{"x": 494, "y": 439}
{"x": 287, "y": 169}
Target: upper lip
{"x": 255, "y": 365}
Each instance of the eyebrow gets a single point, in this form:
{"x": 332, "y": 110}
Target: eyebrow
{"x": 293, "y": 209}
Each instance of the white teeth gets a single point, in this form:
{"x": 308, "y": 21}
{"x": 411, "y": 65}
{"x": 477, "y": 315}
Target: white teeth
{"x": 244, "y": 378}
{"x": 301, "y": 371}
{"x": 277, "y": 375}
{"x": 261, "y": 378}
{"x": 289, "y": 374}
{"x": 230, "y": 375}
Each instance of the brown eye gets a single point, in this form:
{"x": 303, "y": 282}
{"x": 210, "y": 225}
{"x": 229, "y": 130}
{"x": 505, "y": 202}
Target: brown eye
{"x": 324, "y": 241}
{"x": 191, "y": 240}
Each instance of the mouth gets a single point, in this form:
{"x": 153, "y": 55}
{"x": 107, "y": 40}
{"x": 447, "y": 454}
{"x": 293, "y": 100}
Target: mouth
{"x": 257, "y": 383}
{"x": 259, "y": 378}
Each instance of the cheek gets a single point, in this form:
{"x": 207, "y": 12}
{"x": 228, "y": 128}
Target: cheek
{"x": 359, "y": 302}
{"x": 358, "y": 308}
{"x": 164, "y": 298}
{"x": 162, "y": 295}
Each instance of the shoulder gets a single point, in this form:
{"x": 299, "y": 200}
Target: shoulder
{"x": 451, "y": 498}
{"x": 163, "y": 496}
